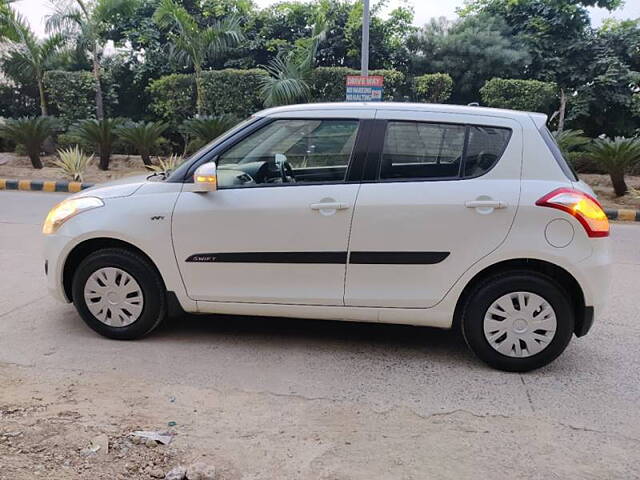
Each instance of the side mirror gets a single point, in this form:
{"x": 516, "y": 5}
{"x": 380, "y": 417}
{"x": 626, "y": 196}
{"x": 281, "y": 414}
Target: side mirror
{"x": 205, "y": 178}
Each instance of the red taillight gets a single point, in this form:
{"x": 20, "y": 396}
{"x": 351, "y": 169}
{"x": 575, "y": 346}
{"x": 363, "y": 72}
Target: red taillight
{"x": 582, "y": 206}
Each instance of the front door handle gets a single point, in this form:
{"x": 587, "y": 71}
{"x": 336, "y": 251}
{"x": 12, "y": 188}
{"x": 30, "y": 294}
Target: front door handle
{"x": 485, "y": 204}
{"x": 329, "y": 206}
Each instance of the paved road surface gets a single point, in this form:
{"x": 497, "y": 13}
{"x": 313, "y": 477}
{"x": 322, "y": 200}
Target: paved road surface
{"x": 429, "y": 408}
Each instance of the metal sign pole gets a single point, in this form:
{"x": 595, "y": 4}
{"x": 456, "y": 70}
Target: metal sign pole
{"x": 365, "y": 40}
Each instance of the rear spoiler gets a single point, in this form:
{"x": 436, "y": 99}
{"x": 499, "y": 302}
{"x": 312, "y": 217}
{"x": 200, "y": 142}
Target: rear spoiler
{"x": 540, "y": 119}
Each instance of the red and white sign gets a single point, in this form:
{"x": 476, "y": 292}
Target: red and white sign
{"x": 360, "y": 81}
{"x": 364, "y": 89}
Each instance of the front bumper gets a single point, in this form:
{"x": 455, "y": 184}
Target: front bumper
{"x": 56, "y": 249}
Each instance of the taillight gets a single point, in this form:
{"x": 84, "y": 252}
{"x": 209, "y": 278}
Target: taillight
{"x": 582, "y": 206}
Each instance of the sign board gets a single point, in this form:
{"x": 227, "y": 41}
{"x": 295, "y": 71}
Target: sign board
{"x": 364, "y": 89}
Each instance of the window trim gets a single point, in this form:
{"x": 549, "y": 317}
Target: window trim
{"x": 375, "y": 154}
{"x": 354, "y": 166}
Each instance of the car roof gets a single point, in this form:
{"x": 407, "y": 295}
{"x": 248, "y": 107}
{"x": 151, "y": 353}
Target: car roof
{"x": 539, "y": 118}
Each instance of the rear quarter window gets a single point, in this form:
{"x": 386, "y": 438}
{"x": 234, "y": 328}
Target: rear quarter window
{"x": 565, "y": 166}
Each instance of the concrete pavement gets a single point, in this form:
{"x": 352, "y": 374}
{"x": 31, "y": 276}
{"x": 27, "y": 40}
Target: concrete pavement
{"x": 583, "y": 407}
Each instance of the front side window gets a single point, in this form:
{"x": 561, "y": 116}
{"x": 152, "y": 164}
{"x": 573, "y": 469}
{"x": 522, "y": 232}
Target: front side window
{"x": 291, "y": 151}
{"x": 421, "y": 150}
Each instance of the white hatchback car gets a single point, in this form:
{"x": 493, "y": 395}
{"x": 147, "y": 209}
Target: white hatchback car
{"x": 419, "y": 214}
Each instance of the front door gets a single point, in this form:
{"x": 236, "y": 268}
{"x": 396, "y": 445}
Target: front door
{"x": 276, "y": 230}
{"x": 444, "y": 194}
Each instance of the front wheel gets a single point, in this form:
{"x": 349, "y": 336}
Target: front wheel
{"x": 119, "y": 294}
{"x": 518, "y": 321}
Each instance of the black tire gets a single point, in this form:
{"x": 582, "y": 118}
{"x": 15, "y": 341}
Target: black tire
{"x": 154, "y": 306}
{"x": 494, "y": 287}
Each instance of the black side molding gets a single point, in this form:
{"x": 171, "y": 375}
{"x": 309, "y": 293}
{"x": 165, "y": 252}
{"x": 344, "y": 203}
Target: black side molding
{"x": 355, "y": 258}
{"x": 397, "y": 258}
{"x": 270, "y": 257}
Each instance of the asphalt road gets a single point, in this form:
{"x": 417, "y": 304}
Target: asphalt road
{"x": 586, "y": 403}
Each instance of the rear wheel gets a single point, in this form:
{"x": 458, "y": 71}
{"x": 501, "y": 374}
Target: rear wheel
{"x": 518, "y": 321}
{"x": 119, "y": 294}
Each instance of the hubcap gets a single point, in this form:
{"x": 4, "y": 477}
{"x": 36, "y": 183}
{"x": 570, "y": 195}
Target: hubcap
{"x": 113, "y": 297}
{"x": 520, "y": 324}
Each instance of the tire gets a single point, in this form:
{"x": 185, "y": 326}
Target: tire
{"x": 523, "y": 331}
{"x": 139, "y": 301}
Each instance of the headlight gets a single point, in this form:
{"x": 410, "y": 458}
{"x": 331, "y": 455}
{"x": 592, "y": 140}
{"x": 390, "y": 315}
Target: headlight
{"x": 67, "y": 209}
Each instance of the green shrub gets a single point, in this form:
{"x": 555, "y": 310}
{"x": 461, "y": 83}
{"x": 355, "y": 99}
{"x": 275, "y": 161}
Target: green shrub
{"x": 143, "y": 137}
{"x": 201, "y": 130}
{"x": 72, "y": 95}
{"x": 73, "y": 162}
{"x": 528, "y": 95}
{"x": 100, "y": 134}
{"x": 228, "y": 91}
{"x": 617, "y": 156}
{"x": 328, "y": 84}
{"x": 173, "y": 97}
{"x": 433, "y": 87}
{"x": 29, "y": 133}
{"x": 231, "y": 91}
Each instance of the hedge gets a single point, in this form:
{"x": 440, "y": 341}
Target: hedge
{"x": 529, "y": 95}
{"x": 225, "y": 91}
{"x": 328, "y": 84}
{"x": 233, "y": 91}
{"x": 433, "y": 87}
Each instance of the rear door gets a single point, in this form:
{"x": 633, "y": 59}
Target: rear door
{"x": 442, "y": 193}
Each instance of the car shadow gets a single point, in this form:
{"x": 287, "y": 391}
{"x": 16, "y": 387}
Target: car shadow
{"x": 317, "y": 334}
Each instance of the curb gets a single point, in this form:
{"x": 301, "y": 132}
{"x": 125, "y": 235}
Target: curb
{"x": 43, "y": 185}
{"x": 623, "y": 214}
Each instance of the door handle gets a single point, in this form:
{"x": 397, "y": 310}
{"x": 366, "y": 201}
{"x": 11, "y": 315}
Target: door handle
{"x": 485, "y": 204}
{"x": 329, "y": 206}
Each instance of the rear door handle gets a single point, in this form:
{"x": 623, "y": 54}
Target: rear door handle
{"x": 329, "y": 206}
{"x": 485, "y": 204}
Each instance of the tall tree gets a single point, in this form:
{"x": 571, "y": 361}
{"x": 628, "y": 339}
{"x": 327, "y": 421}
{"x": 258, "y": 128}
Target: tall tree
{"x": 85, "y": 22}
{"x": 556, "y": 33}
{"x": 193, "y": 44}
{"x": 472, "y": 50}
{"x": 28, "y": 56}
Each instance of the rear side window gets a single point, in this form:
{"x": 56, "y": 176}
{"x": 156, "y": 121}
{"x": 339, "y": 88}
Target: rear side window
{"x": 484, "y": 148}
{"x": 420, "y": 150}
{"x": 566, "y": 168}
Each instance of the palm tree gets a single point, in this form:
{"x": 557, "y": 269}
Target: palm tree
{"x": 288, "y": 76}
{"x": 28, "y": 56}
{"x": 142, "y": 136}
{"x": 101, "y": 134}
{"x": 570, "y": 141}
{"x": 30, "y": 132}
{"x": 201, "y": 130}
{"x": 85, "y": 21}
{"x": 617, "y": 156}
{"x": 194, "y": 45}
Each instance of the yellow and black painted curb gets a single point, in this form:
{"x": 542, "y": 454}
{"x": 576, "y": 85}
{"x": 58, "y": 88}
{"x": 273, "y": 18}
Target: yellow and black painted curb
{"x": 623, "y": 214}
{"x": 43, "y": 185}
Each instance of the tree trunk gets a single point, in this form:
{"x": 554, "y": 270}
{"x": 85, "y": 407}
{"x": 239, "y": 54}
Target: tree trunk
{"x": 43, "y": 100}
{"x": 563, "y": 108}
{"x": 146, "y": 159}
{"x": 199, "y": 92}
{"x": 105, "y": 155}
{"x": 619, "y": 185}
{"x": 96, "y": 76}
{"x": 35, "y": 159}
